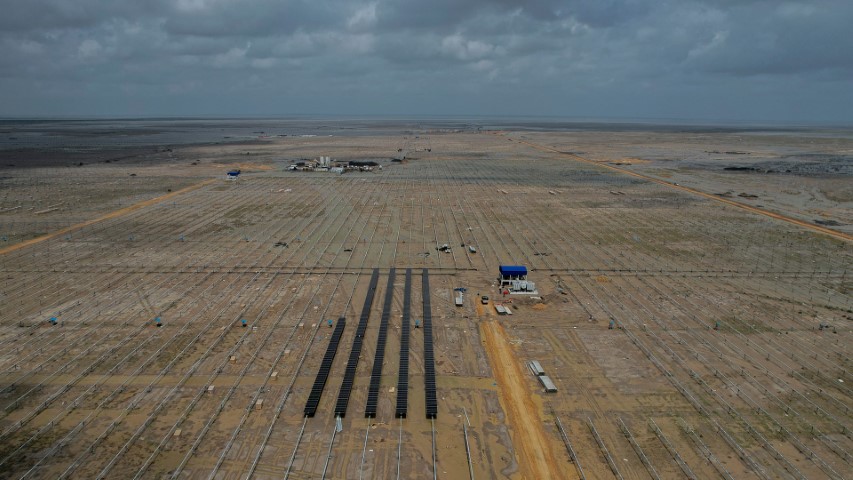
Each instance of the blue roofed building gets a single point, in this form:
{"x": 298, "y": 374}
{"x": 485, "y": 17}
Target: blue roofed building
{"x": 513, "y": 278}
{"x": 513, "y": 272}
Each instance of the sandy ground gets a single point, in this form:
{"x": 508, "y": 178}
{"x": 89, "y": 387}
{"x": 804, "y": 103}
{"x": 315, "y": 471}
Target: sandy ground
{"x": 718, "y": 198}
{"x": 113, "y": 214}
{"x": 727, "y": 356}
{"x": 804, "y": 174}
{"x": 525, "y": 419}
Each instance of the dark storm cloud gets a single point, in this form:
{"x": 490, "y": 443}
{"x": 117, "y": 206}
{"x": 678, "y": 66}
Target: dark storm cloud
{"x": 569, "y": 57}
{"x": 789, "y": 38}
{"x": 259, "y": 18}
{"x": 445, "y": 15}
{"x": 61, "y": 14}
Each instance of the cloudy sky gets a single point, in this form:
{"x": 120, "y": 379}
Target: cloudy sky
{"x": 739, "y": 60}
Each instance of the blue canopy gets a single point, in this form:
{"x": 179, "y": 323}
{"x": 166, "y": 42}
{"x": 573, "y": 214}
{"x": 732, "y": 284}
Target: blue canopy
{"x": 513, "y": 270}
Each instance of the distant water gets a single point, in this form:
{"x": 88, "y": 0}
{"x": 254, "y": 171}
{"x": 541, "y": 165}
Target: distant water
{"x": 83, "y": 133}
{"x": 149, "y": 132}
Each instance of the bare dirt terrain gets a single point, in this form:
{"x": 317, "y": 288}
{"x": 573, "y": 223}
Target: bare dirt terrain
{"x": 537, "y": 458}
{"x": 691, "y": 331}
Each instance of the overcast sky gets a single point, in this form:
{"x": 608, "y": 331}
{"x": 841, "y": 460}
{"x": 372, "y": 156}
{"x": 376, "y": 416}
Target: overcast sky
{"x": 741, "y": 60}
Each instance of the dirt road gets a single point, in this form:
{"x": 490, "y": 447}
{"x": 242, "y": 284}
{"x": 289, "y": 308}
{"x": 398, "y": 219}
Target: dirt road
{"x": 113, "y": 214}
{"x": 533, "y": 448}
{"x": 750, "y": 208}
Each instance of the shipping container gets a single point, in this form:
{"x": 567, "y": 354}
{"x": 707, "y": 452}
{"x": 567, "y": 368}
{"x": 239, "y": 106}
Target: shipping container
{"x": 536, "y": 368}
{"x": 547, "y": 383}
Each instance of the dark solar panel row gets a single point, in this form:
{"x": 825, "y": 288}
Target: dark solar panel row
{"x": 379, "y": 357}
{"x": 325, "y": 367}
{"x": 429, "y": 357}
{"x": 403, "y": 378}
{"x": 355, "y": 352}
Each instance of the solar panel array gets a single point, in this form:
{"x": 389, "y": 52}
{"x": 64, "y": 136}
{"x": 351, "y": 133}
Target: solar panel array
{"x": 379, "y": 358}
{"x": 357, "y": 341}
{"x": 403, "y": 378}
{"x": 376, "y": 374}
{"x": 325, "y": 367}
{"x": 429, "y": 357}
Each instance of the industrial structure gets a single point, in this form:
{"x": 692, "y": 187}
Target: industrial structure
{"x": 513, "y": 280}
{"x": 326, "y": 164}
{"x": 707, "y": 362}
